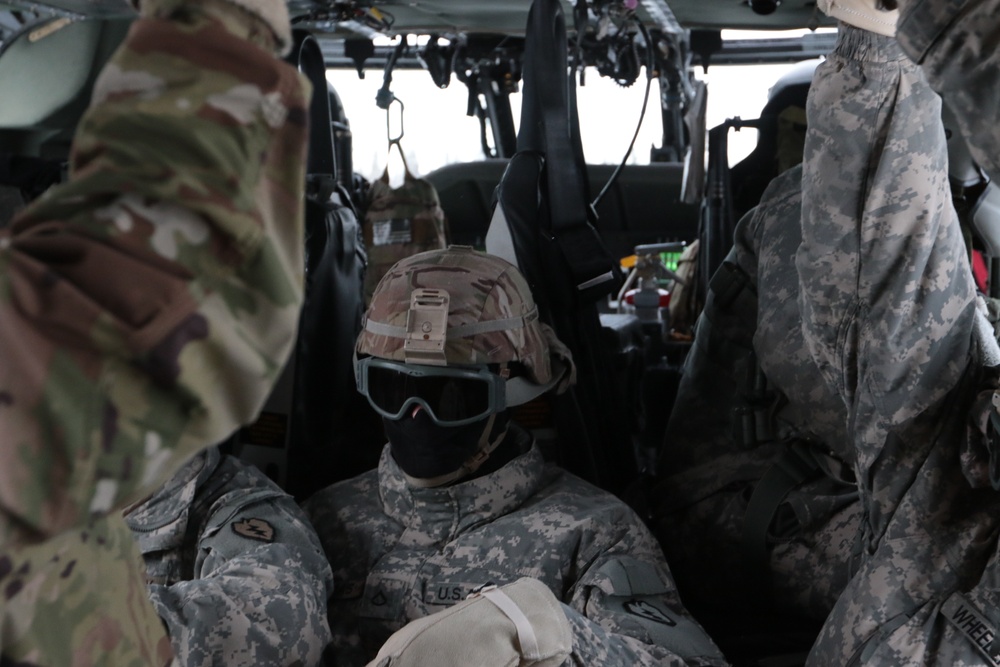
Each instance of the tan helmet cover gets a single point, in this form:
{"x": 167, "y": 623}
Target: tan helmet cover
{"x": 491, "y": 317}
{"x": 862, "y": 14}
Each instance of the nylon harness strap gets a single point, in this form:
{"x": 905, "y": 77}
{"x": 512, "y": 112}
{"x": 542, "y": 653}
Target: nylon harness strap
{"x": 993, "y": 438}
{"x": 793, "y": 467}
{"x": 754, "y": 425}
{"x": 549, "y": 124}
{"x": 732, "y": 290}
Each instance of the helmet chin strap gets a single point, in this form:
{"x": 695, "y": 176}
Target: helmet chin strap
{"x": 471, "y": 465}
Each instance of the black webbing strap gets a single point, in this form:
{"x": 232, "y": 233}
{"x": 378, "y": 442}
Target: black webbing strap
{"x": 733, "y": 291}
{"x": 549, "y": 125}
{"x": 754, "y": 418}
{"x": 307, "y": 57}
{"x": 793, "y": 467}
{"x": 993, "y": 438}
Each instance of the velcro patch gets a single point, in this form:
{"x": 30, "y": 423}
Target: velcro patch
{"x": 390, "y": 232}
{"x": 254, "y": 529}
{"x": 647, "y": 610}
{"x": 970, "y": 622}
{"x": 664, "y": 626}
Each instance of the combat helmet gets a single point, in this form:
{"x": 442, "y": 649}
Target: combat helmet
{"x": 457, "y": 314}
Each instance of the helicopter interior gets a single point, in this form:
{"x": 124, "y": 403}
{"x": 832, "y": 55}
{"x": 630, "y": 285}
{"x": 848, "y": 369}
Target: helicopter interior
{"x": 315, "y": 428}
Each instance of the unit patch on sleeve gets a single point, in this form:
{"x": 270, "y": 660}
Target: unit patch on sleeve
{"x": 255, "y": 529}
{"x": 648, "y": 611}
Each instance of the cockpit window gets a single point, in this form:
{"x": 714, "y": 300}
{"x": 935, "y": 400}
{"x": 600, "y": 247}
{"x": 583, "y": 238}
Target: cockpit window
{"x": 437, "y": 131}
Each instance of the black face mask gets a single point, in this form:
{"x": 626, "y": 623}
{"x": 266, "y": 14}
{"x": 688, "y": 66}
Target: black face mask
{"x": 424, "y": 450}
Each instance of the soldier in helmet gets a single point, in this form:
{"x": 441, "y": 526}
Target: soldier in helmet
{"x": 462, "y": 498}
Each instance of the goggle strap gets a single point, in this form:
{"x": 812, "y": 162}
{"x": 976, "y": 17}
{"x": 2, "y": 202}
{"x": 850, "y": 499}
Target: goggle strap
{"x": 471, "y": 465}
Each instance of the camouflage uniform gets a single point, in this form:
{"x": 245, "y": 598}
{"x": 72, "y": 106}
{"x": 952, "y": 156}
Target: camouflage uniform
{"x": 889, "y": 313}
{"x": 749, "y": 398}
{"x": 233, "y": 567}
{"x": 955, "y": 42}
{"x": 402, "y": 553}
{"x": 145, "y": 309}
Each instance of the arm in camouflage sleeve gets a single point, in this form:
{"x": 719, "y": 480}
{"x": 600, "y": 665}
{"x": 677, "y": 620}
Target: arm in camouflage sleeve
{"x": 259, "y": 594}
{"x": 625, "y": 610}
{"x": 955, "y": 41}
{"x": 147, "y": 305}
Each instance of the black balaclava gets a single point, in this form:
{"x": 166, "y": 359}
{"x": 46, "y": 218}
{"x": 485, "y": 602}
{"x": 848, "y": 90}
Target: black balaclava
{"x": 425, "y": 450}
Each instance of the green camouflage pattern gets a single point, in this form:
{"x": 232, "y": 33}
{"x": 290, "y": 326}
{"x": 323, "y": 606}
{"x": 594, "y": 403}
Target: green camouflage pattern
{"x": 146, "y": 307}
{"x": 400, "y": 553}
{"x": 726, "y": 432}
{"x": 233, "y": 567}
{"x": 79, "y": 598}
{"x": 888, "y": 312}
{"x": 400, "y": 222}
{"x": 955, "y": 43}
{"x": 482, "y": 288}
{"x": 111, "y": 283}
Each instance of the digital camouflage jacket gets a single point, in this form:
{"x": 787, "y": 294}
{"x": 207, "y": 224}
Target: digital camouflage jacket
{"x": 954, "y": 41}
{"x": 400, "y": 553}
{"x": 891, "y": 319}
{"x": 756, "y": 506}
{"x": 233, "y": 567}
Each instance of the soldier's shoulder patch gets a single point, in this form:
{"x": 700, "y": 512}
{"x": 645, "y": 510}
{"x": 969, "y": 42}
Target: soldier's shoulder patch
{"x": 647, "y": 610}
{"x": 254, "y": 529}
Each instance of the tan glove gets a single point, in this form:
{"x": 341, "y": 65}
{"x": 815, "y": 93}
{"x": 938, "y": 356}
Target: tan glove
{"x": 264, "y": 22}
{"x": 519, "y": 624}
{"x": 861, "y": 14}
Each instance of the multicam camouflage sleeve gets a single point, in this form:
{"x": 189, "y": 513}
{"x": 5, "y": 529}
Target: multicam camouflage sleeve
{"x": 955, "y": 43}
{"x": 145, "y": 308}
{"x": 147, "y": 305}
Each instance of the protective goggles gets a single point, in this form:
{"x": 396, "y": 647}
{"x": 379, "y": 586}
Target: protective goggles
{"x": 452, "y": 396}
